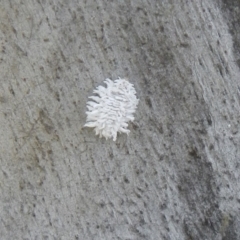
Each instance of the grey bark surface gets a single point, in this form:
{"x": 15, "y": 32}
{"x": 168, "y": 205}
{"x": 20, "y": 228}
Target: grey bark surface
{"x": 176, "y": 176}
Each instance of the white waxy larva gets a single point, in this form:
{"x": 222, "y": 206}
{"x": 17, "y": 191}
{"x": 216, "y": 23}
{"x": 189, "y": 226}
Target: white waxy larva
{"x": 110, "y": 111}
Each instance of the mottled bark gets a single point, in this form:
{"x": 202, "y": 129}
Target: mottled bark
{"x": 176, "y": 176}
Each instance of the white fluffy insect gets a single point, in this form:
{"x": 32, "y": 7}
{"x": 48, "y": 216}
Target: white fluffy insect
{"x": 110, "y": 111}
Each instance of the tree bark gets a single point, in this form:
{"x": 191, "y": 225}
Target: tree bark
{"x": 176, "y": 176}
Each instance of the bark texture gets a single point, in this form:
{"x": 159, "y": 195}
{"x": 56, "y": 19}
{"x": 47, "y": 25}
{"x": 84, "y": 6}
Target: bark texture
{"x": 177, "y": 174}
